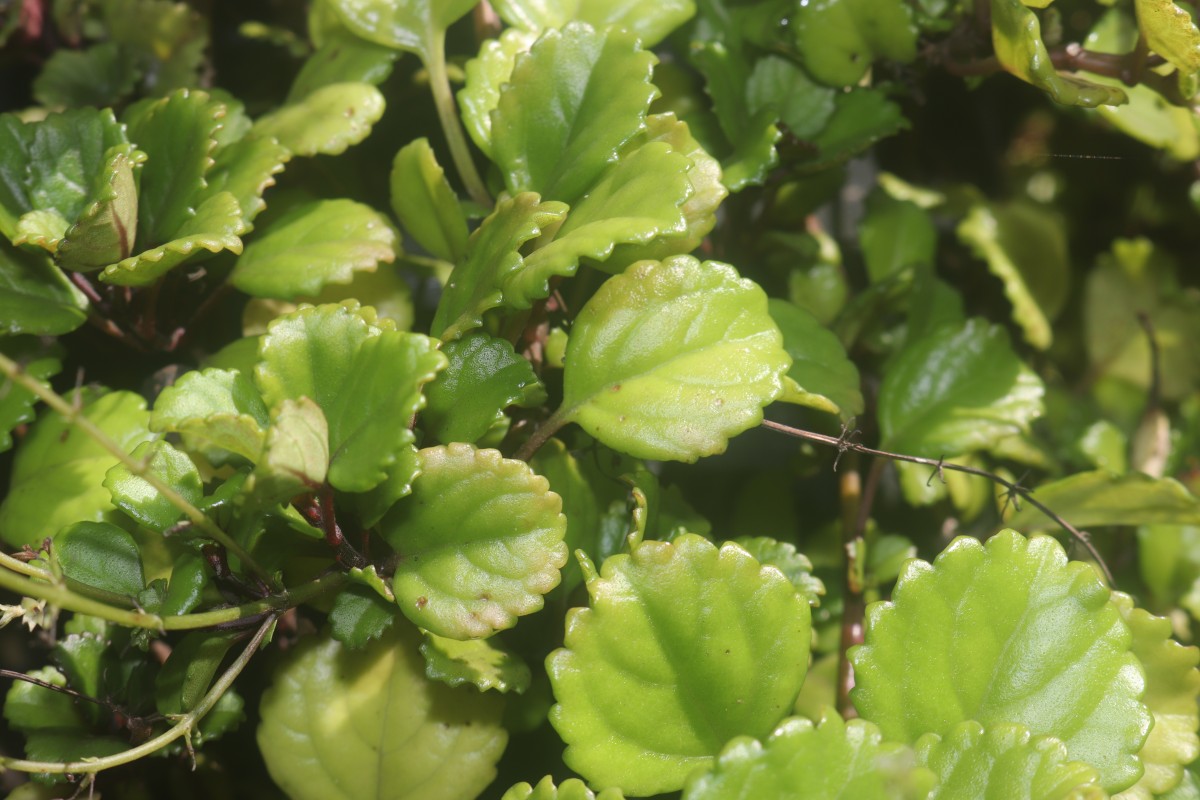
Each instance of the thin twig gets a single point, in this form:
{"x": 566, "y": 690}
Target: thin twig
{"x": 843, "y": 443}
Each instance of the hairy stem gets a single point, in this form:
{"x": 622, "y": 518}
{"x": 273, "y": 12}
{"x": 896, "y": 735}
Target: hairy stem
{"x": 183, "y": 727}
{"x": 843, "y": 444}
{"x": 71, "y": 414}
{"x": 443, "y": 98}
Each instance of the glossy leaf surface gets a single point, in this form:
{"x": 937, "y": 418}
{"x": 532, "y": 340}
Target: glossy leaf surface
{"x": 213, "y": 410}
{"x": 354, "y": 724}
{"x": 650, "y": 22}
{"x": 246, "y": 169}
{"x": 317, "y": 244}
{"x": 480, "y": 542}
{"x": 327, "y": 121}
{"x": 105, "y": 230}
{"x": 102, "y": 556}
{"x": 135, "y": 496}
{"x": 35, "y": 296}
{"x": 836, "y": 759}
{"x": 1010, "y": 632}
{"x": 484, "y": 664}
{"x": 571, "y": 104}
{"x": 425, "y": 204}
{"x": 570, "y": 789}
{"x": 783, "y": 556}
{"x": 1005, "y": 762}
{"x": 721, "y": 648}
{"x": 671, "y": 359}
{"x": 406, "y": 26}
{"x": 956, "y": 389}
{"x": 1171, "y": 32}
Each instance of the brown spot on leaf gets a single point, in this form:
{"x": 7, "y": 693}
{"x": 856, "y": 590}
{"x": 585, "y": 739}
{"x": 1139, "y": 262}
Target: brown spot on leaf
{"x": 422, "y": 601}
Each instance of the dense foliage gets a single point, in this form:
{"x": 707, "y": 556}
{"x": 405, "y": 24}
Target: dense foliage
{"x": 384, "y": 385}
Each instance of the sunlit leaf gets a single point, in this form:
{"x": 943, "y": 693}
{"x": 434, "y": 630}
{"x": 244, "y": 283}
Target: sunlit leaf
{"x": 570, "y": 789}
{"x": 484, "y": 664}
{"x": 1171, "y": 32}
{"x": 1010, "y": 632}
{"x": 480, "y": 542}
{"x": 425, "y": 204}
{"x": 783, "y": 556}
{"x": 836, "y": 759}
{"x": 485, "y": 75}
{"x": 295, "y": 455}
{"x": 105, "y": 230}
{"x": 1005, "y": 762}
{"x": 58, "y": 470}
{"x": 671, "y": 359}
{"x": 570, "y": 105}
{"x": 314, "y": 245}
{"x": 412, "y": 25}
{"x": 683, "y": 647}
{"x": 327, "y": 121}
{"x": 1172, "y": 688}
{"x": 957, "y": 388}
{"x": 353, "y": 724}
{"x": 1104, "y": 498}
{"x": 840, "y": 39}
{"x": 246, "y": 168}
{"x": 650, "y": 22}
{"x": 213, "y": 410}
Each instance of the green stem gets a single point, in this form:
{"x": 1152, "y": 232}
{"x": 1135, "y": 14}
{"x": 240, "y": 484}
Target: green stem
{"x": 62, "y": 596}
{"x": 443, "y": 98}
{"x": 72, "y": 414}
{"x": 24, "y": 568}
{"x": 182, "y": 728}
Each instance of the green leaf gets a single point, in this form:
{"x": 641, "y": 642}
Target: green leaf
{"x": 16, "y": 402}
{"x": 411, "y": 26}
{"x": 485, "y": 376}
{"x": 359, "y": 616}
{"x": 794, "y": 99}
{"x": 1170, "y": 32}
{"x": 105, "y": 230}
{"x": 1005, "y": 762}
{"x": 1017, "y": 39}
{"x": 982, "y": 392}
{"x": 51, "y": 165}
{"x": 189, "y": 577}
{"x": 1025, "y": 246}
{"x": 342, "y": 58}
{"x": 35, "y": 297}
{"x": 333, "y": 717}
{"x": 101, "y": 555}
{"x": 895, "y": 234}
{"x": 1172, "y": 688}
{"x": 169, "y": 39}
{"x": 480, "y": 542}
{"x": 783, "y": 556}
{"x": 1009, "y": 632}
{"x": 216, "y": 226}
{"x": 295, "y": 456}
{"x": 570, "y": 106}
{"x": 140, "y": 500}
{"x": 836, "y": 759}
{"x": 671, "y": 359}
{"x": 483, "y": 664}
{"x": 1101, "y": 497}
{"x": 861, "y": 118}
{"x": 637, "y": 201}
{"x": 42, "y": 229}
{"x": 821, "y": 376}
{"x": 840, "y": 39}
{"x": 326, "y": 122}
{"x": 177, "y": 134}
{"x": 366, "y": 378}
{"x": 753, "y": 135}
{"x": 372, "y": 505}
{"x": 216, "y": 412}
{"x": 721, "y": 648}
{"x": 425, "y": 204}
{"x": 493, "y": 256}
{"x": 58, "y": 470}
{"x": 245, "y": 169}
{"x": 650, "y": 22}
{"x": 81, "y": 656}
{"x": 54, "y": 725}
{"x": 314, "y": 245}
{"x": 187, "y": 674}
{"x": 100, "y": 76}
{"x": 1169, "y": 557}
{"x": 571, "y": 789}
{"x": 485, "y": 75}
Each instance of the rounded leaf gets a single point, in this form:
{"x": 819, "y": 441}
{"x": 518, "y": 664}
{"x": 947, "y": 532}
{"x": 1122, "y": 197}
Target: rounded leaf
{"x": 1005, "y": 762}
{"x": 480, "y": 542}
{"x": 670, "y": 359}
{"x": 571, "y": 789}
{"x": 834, "y": 760}
{"x": 135, "y": 496}
{"x": 341, "y": 724}
{"x": 484, "y": 664}
{"x": 326, "y": 122}
{"x": 1010, "y": 632}
{"x": 684, "y": 647}
{"x": 101, "y": 555}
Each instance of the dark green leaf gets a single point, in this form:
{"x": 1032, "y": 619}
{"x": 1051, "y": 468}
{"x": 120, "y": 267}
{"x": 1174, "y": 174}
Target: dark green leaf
{"x": 189, "y": 577}
{"x": 185, "y": 678}
{"x": 783, "y": 556}
{"x": 35, "y": 296}
{"x": 359, "y": 616}
{"x": 245, "y": 168}
{"x": 16, "y": 402}
{"x": 484, "y": 376}
{"x": 98, "y": 76}
{"x": 862, "y": 117}
{"x": 101, "y": 555}
{"x": 425, "y": 204}
{"x": 314, "y": 245}
{"x": 794, "y": 99}
{"x": 895, "y": 234}
{"x": 958, "y": 388}
{"x": 821, "y": 376}
{"x": 342, "y": 58}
